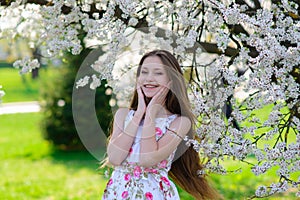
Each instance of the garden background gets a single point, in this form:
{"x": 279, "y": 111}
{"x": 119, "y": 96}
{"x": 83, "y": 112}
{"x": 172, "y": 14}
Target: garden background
{"x": 32, "y": 168}
{"x": 225, "y": 47}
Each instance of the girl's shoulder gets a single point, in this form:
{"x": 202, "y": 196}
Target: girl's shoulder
{"x": 121, "y": 114}
{"x": 181, "y": 123}
{"x": 181, "y": 119}
{"x": 122, "y": 110}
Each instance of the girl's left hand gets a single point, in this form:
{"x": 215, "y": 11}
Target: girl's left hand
{"x": 158, "y": 100}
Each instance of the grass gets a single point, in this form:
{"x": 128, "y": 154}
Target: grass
{"x": 22, "y": 87}
{"x": 237, "y": 186}
{"x": 32, "y": 169}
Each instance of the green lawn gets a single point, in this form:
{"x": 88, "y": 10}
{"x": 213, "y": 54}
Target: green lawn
{"x": 32, "y": 169}
{"x": 237, "y": 186}
{"x": 22, "y": 87}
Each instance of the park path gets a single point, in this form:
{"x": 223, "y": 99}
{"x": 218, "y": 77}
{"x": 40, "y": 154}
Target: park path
{"x": 19, "y": 107}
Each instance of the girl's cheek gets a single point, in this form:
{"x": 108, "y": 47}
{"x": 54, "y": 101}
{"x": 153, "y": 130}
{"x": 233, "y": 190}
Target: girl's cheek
{"x": 163, "y": 82}
{"x": 139, "y": 81}
{"x": 141, "y": 77}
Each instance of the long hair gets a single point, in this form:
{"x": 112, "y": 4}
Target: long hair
{"x": 186, "y": 162}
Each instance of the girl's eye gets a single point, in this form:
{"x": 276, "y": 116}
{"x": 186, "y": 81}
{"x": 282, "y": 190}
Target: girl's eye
{"x": 144, "y": 72}
{"x": 159, "y": 73}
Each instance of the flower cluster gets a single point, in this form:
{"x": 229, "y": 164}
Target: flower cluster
{"x": 26, "y": 65}
{"x": 62, "y": 34}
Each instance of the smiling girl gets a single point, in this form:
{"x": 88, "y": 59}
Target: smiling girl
{"x": 145, "y": 145}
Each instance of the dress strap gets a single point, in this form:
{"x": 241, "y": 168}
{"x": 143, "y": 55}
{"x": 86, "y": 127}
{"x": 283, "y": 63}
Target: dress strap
{"x": 128, "y": 117}
{"x": 130, "y": 114}
{"x": 169, "y": 120}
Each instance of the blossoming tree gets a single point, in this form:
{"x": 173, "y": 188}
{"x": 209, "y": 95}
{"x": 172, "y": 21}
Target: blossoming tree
{"x": 254, "y": 48}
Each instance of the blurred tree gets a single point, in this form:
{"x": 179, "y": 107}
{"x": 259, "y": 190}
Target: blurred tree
{"x": 58, "y": 123}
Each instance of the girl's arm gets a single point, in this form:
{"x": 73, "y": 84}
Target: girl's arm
{"x": 153, "y": 152}
{"x": 121, "y": 140}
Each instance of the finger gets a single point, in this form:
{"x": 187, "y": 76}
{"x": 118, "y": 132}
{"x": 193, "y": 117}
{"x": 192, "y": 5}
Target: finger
{"x": 169, "y": 84}
{"x": 159, "y": 93}
{"x": 160, "y": 96}
{"x": 138, "y": 85}
{"x": 165, "y": 90}
{"x": 139, "y": 91}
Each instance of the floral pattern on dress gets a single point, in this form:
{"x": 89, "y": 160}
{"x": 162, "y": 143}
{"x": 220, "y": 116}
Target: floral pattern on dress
{"x": 130, "y": 181}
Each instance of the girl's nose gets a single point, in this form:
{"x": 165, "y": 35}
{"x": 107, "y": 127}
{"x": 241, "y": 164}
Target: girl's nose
{"x": 150, "y": 77}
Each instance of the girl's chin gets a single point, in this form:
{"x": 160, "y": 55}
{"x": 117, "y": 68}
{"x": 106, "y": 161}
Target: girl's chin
{"x": 149, "y": 94}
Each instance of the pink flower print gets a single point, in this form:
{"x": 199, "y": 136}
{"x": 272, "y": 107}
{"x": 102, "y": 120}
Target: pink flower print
{"x": 158, "y": 132}
{"x": 154, "y": 171}
{"x": 163, "y": 164}
{"x": 160, "y": 185}
{"x": 137, "y": 171}
{"x": 125, "y": 194}
{"x": 127, "y": 177}
{"x": 149, "y": 196}
{"x": 130, "y": 150}
{"x": 147, "y": 169}
{"x": 165, "y": 180}
{"x": 109, "y": 182}
{"x": 151, "y": 170}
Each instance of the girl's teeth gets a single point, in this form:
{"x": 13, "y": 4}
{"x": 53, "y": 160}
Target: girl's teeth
{"x": 150, "y": 86}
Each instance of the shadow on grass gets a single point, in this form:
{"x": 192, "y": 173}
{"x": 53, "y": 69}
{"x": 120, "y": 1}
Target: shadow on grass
{"x": 75, "y": 159}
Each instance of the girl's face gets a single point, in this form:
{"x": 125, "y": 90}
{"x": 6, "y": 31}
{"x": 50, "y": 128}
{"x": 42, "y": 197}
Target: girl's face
{"x": 153, "y": 76}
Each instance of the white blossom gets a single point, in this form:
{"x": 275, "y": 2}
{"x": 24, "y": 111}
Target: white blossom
{"x": 261, "y": 191}
{"x": 26, "y": 65}
{"x": 133, "y": 21}
{"x": 82, "y": 82}
{"x": 261, "y": 169}
{"x": 95, "y": 82}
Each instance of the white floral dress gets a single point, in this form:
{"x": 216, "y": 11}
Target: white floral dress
{"x": 131, "y": 181}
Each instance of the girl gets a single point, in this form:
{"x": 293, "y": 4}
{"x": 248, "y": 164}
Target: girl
{"x": 145, "y": 145}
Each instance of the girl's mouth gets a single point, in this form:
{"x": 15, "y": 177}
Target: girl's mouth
{"x": 150, "y": 86}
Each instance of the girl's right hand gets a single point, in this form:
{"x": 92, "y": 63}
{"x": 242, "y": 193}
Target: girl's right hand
{"x": 141, "y": 109}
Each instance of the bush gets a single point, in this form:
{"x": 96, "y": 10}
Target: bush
{"x": 58, "y": 123}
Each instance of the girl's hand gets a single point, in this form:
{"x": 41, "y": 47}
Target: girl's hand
{"x": 141, "y": 109}
{"x": 158, "y": 100}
